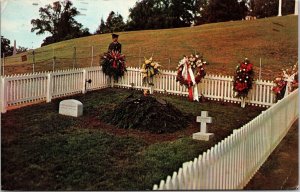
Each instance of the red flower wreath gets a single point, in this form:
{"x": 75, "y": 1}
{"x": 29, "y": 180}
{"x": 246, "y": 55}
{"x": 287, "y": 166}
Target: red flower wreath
{"x": 243, "y": 79}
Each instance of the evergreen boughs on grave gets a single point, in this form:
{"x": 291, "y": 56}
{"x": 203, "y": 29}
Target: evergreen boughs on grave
{"x": 147, "y": 114}
{"x": 243, "y": 79}
{"x": 113, "y": 64}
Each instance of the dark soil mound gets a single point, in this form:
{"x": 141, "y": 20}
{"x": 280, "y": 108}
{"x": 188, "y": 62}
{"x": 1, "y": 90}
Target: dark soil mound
{"x": 147, "y": 114}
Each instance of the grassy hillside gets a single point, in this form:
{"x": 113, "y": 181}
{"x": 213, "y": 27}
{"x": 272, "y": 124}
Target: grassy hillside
{"x": 222, "y": 44}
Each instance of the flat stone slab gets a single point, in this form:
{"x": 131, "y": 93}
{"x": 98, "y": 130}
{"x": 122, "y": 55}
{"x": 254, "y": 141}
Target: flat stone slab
{"x": 71, "y": 107}
{"x": 202, "y": 136}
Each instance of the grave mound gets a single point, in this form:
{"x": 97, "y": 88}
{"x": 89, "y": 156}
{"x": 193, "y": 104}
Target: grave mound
{"x": 147, "y": 113}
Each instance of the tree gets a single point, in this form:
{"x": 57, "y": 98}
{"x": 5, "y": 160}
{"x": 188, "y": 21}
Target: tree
{"x": 102, "y": 28}
{"x": 159, "y": 14}
{"x": 288, "y": 7}
{"x": 6, "y": 49}
{"x": 263, "y": 8}
{"x": 223, "y": 10}
{"x": 58, "y": 20}
{"x": 114, "y": 23}
{"x": 21, "y": 49}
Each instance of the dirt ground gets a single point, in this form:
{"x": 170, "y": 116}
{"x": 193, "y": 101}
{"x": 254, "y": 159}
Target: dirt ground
{"x": 280, "y": 171}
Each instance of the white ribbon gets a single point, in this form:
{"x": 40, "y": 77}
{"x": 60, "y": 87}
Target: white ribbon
{"x": 184, "y": 73}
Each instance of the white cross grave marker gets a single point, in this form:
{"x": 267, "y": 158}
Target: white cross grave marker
{"x": 203, "y": 119}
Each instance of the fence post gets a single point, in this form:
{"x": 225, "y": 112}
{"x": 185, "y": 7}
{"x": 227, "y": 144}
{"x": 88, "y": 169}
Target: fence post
{"x": 151, "y": 89}
{"x": 74, "y": 58}
{"x": 84, "y": 81}
{"x": 259, "y": 76}
{"x": 53, "y": 60}
{"x": 112, "y": 81}
{"x": 140, "y": 62}
{"x": 3, "y": 63}
{"x": 33, "y": 60}
{"x": 49, "y": 87}
{"x": 3, "y": 95}
{"x": 92, "y": 56}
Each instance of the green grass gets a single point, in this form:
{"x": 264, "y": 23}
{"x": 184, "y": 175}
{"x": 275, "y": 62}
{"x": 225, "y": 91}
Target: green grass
{"x": 42, "y": 150}
{"x": 222, "y": 44}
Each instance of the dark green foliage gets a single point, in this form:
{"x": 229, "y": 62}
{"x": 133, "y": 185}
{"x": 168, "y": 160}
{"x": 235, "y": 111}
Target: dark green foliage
{"x": 158, "y": 14}
{"x": 6, "y": 49}
{"x": 114, "y": 23}
{"x": 223, "y": 10}
{"x": 147, "y": 114}
{"x": 269, "y": 8}
{"x": 59, "y": 21}
{"x": 263, "y": 8}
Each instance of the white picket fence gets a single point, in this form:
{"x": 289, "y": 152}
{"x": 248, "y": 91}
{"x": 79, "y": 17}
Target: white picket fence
{"x": 215, "y": 87}
{"x": 231, "y": 163}
{"x": 20, "y": 89}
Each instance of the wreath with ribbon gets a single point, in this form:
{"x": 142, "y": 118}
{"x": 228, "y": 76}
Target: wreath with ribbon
{"x": 113, "y": 64}
{"x": 243, "y": 78}
{"x": 190, "y": 71}
{"x": 149, "y": 69}
{"x": 282, "y": 82}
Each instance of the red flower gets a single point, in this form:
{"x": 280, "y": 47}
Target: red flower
{"x": 246, "y": 67}
{"x": 276, "y": 89}
{"x": 241, "y": 86}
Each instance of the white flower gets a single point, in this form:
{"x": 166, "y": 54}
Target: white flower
{"x": 240, "y": 79}
{"x": 245, "y": 81}
{"x": 244, "y": 69}
{"x": 247, "y": 77}
{"x": 182, "y": 61}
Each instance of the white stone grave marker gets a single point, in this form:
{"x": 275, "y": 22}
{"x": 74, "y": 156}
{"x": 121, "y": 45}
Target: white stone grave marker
{"x": 71, "y": 107}
{"x": 203, "y": 119}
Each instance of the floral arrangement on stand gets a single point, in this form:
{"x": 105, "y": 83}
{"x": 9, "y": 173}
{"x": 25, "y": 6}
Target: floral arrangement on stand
{"x": 113, "y": 64}
{"x": 190, "y": 71}
{"x": 149, "y": 69}
{"x": 286, "y": 83}
{"x": 243, "y": 79}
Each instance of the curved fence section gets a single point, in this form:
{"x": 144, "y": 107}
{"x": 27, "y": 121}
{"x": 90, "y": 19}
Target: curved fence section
{"x": 231, "y": 163}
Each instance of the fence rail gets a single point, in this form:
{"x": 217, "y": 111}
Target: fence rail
{"x": 231, "y": 163}
{"x": 215, "y": 87}
{"x": 19, "y": 89}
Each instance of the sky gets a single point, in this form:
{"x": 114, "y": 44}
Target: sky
{"x": 17, "y": 14}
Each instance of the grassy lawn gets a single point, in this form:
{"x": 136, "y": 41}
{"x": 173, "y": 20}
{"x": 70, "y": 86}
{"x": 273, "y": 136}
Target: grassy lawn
{"x": 42, "y": 150}
{"x": 222, "y": 44}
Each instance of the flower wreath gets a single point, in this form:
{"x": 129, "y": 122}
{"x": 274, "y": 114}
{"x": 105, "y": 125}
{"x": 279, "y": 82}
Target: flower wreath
{"x": 149, "y": 69}
{"x": 113, "y": 64}
{"x": 243, "y": 79}
{"x": 197, "y": 65}
{"x": 281, "y": 82}
{"x": 190, "y": 72}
